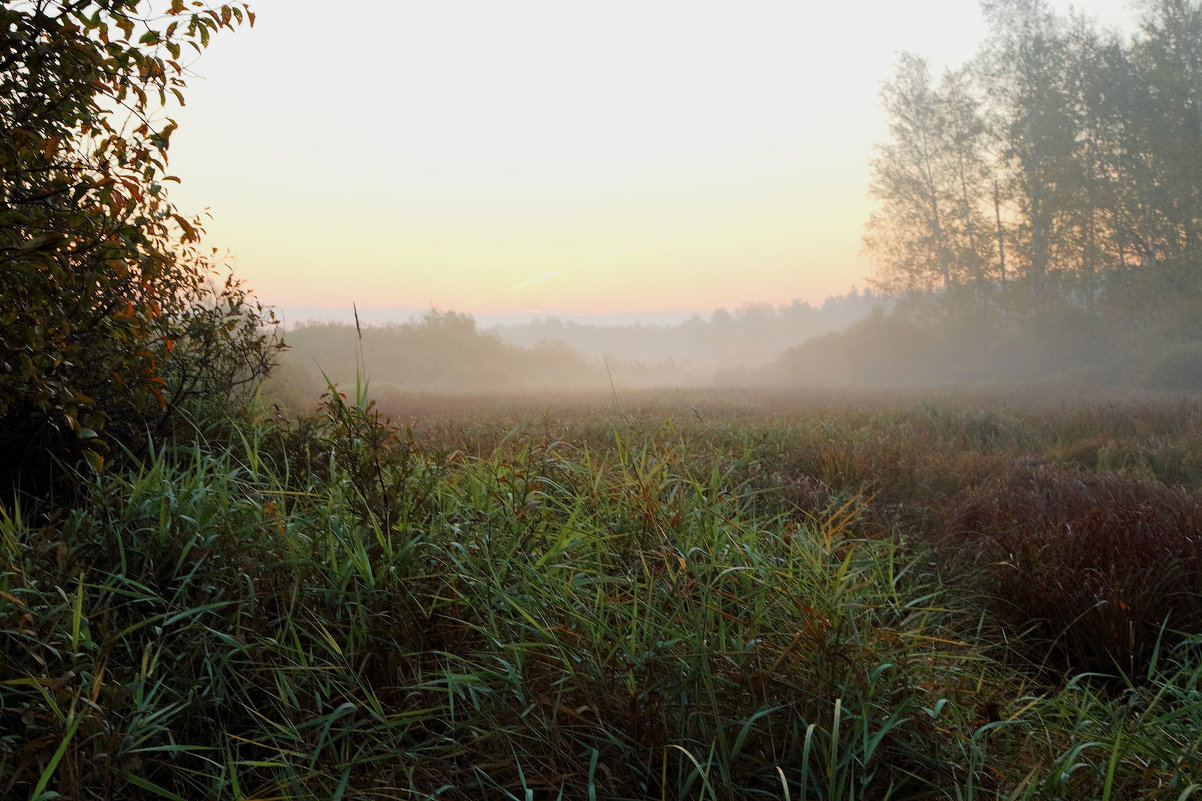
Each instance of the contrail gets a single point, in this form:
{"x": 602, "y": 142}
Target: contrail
{"x": 580, "y": 264}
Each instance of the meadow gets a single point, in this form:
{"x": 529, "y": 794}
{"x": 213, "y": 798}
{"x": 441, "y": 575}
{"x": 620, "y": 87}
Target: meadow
{"x": 834, "y": 594}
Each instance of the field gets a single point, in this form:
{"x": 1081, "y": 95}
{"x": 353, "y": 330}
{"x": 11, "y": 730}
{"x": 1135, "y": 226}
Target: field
{"x": 680, "y": 595}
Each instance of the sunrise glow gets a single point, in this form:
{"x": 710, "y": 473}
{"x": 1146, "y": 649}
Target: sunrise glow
{"x": 499, "y": 158}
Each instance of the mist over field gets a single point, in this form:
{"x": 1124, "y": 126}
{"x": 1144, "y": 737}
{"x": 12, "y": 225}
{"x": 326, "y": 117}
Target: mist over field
{"x": 937, "y": 539}
{"x": 450, "y": 352}
{"x": 1037, "y": 216}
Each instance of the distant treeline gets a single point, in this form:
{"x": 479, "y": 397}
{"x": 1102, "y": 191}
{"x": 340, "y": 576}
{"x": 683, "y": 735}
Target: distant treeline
{"x": 753, "y": 334}
{"x": 447, "y": 351}
{"x": 444, "y": 351}
{"x": 1038, "y": 210}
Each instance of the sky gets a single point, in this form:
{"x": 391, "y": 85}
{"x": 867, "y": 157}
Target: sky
{"x": 549, "y": 156}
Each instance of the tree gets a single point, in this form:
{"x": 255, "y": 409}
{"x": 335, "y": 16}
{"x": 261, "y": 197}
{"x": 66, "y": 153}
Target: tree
{"x": 1169, "y": 60}
{"x": 929, "y": 180}
{"x": 906, "y": 237}
{"x": 1026, "y": 68}
{"x": 971, "y": 177}
{"x": 110, "y": 320}
{"x": 1097, "y": 195}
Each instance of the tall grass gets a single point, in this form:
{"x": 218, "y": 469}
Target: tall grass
{"x": 656, "y": 607}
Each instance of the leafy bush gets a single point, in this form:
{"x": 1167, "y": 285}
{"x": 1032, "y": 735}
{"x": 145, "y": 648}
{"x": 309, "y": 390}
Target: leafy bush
{"x": 110, "y": 320}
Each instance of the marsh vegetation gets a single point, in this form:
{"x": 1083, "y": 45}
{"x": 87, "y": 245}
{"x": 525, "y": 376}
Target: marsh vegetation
{"x": 697, "y": 595}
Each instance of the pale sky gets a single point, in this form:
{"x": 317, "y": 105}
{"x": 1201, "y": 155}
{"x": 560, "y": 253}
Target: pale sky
{"x": 504, "y": 156}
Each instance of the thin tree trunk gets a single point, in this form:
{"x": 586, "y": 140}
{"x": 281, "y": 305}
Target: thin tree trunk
{"x": 1001, "y": 239}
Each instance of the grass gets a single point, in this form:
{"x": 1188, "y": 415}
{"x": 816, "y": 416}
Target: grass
{"x": 705, "y": 597}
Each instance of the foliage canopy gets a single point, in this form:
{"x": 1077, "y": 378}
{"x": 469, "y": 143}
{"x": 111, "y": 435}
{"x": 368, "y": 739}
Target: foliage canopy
{"x": 111, "y": 319}
{"x": 1061, "y": 167}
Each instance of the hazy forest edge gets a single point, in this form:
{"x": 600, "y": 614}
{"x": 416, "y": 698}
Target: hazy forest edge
{"x": 1038, "y": 216}
{"x": 1039, "y": 209}
{"x": 720, "y": 594}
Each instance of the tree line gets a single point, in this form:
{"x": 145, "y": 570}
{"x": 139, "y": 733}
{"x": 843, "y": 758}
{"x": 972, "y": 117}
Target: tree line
{"x": 1060, "y": 167}
{"x": 750, "y": 335}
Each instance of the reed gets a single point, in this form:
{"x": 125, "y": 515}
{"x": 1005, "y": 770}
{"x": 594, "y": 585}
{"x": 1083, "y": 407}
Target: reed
{"x": 737, "y": 604}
